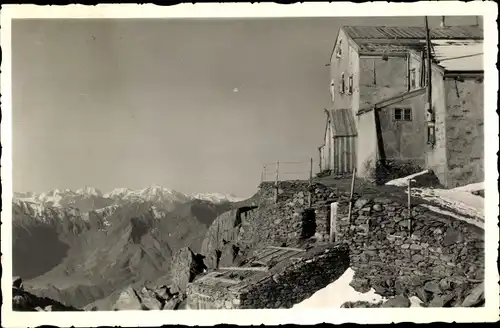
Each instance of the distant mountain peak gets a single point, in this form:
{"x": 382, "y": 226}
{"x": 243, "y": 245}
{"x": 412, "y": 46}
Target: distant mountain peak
{"x": 217, "y": 197}
{"x": 89, "y": 191}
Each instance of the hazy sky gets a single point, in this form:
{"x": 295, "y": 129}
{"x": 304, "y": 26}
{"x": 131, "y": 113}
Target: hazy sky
{"x": 131, "y": 103}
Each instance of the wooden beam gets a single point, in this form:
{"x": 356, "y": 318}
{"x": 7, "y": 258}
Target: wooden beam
{"x": 225, "y": 280}
{"x": 380, "y": 140}
{"x": 380, "y": 54}
{"x": 287, "y": 248}
{"x": 244, "y": 268}
{"x": 399, "y": 98}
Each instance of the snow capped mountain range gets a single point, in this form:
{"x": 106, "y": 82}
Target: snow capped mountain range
{"x": 154, "y": 193}
{"x": 217, "y": 197}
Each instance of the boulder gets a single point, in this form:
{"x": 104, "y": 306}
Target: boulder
{"x": 475, "y": 297}
{"x": 172, "y": 304}
{"x": 163, "y": 292}
{"x": 415, "y": 301}
{"x": 360, "y": 285}
{"x": 360, "y": 203}
{"x": 128, "y": 300}
{"x": 19, "y": 302}
{"x": 422, "y": 294}
{"x": 149, "y": 299}
{"x": 17, "y": 282}
{"x": 445, "y": 284}
{"x": 441, "y": 300}
{"x": 397, "y": 301}
{"x": 432, "y": 287}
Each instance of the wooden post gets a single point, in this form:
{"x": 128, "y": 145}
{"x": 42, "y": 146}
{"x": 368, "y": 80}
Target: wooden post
{"x": 311, "y": 171}
{"x": 409, "y": 205}
{"x": 352, "y": 193}
{"x": 276, "y": 182}
{"x": 320, "y": 160}
{"x": 333, "y": 221}
{"x": 262, "y": 173}
{"x": 309, "y": 201}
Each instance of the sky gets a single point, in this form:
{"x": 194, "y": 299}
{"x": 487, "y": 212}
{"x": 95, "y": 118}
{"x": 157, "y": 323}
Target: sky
{"x": 192, "y": 105}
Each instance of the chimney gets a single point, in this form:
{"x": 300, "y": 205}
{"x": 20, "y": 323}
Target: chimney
{"x": 442, "y": 22}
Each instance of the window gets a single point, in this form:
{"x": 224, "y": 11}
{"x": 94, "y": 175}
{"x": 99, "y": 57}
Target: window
{"x": 431, "y": 135}
{"x": 350, "y": 85}
{"x": 339, "y": 48}
{"x": 413, "y": 78}
{"x": 332, "y": 89}
{"x": 342, "y": 83}
{"x": 402, "y": 114}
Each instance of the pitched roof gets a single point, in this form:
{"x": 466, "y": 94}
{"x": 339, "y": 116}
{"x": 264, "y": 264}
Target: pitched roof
{"x": 372, "y": 46}
{"x": 342, "y": 122}
{"x": 413, "y": 32}
{"x": 456, "y": 55}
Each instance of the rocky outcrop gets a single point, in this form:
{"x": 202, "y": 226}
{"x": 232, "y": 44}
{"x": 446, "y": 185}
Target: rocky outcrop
{"x": 221, "y": 244}
{"x": 161, "y": 298}
{"x": 25, "y": 301}
{"x": 185, "y": 266}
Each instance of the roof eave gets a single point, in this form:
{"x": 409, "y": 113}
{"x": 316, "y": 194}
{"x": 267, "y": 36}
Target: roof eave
{"x": 463, "y": 73}
{"x": 379, "y": 54}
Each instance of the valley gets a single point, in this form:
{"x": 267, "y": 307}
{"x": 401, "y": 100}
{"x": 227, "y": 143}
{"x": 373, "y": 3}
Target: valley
{"x": 80, "y": 247}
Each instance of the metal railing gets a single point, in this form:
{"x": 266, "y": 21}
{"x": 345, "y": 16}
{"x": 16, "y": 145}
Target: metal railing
{"x": 283, "y": 171}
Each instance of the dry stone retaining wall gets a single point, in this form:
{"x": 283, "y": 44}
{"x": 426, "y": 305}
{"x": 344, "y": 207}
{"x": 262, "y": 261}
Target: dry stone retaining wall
{"x": 440, "y": 262}
{"x": 287, "y": 283}
{"x": 296, "y": 282}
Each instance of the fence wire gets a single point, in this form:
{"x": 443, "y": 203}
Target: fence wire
{"x": 289, "y": 170}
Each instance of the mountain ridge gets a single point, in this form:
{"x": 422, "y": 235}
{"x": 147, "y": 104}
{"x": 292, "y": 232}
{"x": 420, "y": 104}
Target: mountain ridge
{"x": 77, "y": 247}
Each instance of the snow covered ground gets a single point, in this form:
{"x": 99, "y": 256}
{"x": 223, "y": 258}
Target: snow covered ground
{"x": 459, "y": 202}
{"x": 403, "y": 182}
{"x": 337, "y": 293}
{"x": 340, "y": 292}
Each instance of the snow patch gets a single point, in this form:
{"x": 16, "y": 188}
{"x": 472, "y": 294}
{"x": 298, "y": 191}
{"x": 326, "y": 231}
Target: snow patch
{"x": 477, "y": 222}
{"x": 338, "y": 293}
{"x": 402, "y": 182}
{"x": 463, "y": 202}
{"x": 471, "y": 187}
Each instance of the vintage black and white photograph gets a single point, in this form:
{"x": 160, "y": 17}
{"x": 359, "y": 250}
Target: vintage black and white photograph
{"x": 247, "y": 163}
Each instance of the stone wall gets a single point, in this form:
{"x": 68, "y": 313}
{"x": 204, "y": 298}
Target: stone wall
{"x": 202, "y": 297}
{"x": 285, "y": 284}
{"x": 281, "y": 222}
{"x": 440, "y": 262}
{"x": 464, "y": 131}
{"x": 294, "y": 282}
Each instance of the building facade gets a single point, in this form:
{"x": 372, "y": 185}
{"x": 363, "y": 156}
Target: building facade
{"x": 378, "y": 81}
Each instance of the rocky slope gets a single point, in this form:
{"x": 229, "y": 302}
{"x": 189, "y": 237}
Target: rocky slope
{"x": 25, "y": 301}
{"x": 77, "y": 255}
